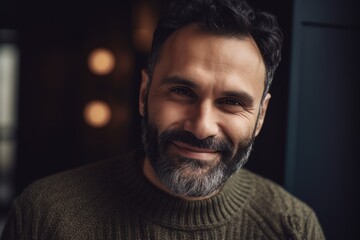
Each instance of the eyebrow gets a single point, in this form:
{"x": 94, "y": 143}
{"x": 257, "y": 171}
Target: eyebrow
{"x": 178, "y": 80}
{"x": 244, "y": 96}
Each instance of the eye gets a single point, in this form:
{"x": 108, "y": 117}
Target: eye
{"x": 182, "y": 91}
{"x": 232, "y": 102}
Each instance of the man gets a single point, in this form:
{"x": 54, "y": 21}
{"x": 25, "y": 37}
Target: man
{"x": 203, "y": 99}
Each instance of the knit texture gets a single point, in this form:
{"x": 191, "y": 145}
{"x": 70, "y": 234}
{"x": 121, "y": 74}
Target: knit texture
{"x": 113, "y": 200}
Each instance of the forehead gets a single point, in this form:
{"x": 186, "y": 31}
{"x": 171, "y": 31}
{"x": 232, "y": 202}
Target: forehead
{"x": 196, "y": 54}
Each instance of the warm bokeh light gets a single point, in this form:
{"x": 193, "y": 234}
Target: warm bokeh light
{"x": 143, "y": 39}
{"x": 101, "y": 61}
{"x": 97, "y": 114}
{"x": 145, "y": 19}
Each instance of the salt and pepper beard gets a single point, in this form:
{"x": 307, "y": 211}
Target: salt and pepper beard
{"x": 191, "y": 177}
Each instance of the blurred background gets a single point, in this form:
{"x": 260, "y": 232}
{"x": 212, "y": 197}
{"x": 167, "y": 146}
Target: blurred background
{"x": 69, "y": 80}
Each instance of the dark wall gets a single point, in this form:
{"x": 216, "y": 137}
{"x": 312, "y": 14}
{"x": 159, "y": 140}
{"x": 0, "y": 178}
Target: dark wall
{"x": 322, "y": 157}
{"x": 55, "y": 85}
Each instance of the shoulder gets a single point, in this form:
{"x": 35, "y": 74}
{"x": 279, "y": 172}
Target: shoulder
{"x": 272, "y": 206}
{"x": 81, "y": 184}
{"x": 61, "y": 204}
{"x": 65, "y": 204}
{"x": 266, "y": 193}
{"x": 65, "y": 185}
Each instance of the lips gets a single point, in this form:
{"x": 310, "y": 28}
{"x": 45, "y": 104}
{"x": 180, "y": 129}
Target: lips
{"x": 190, "y": 151}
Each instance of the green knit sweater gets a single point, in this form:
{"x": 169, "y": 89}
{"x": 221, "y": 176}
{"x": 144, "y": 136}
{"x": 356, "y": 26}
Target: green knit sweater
{"x": 113, "y": 200}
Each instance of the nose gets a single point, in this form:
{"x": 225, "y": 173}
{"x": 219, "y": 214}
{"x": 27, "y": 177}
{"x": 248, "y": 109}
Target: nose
{"x": 202, "y": 121}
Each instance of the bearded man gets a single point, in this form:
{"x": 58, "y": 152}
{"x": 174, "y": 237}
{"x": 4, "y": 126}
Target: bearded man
{"x": 203, "y": 99}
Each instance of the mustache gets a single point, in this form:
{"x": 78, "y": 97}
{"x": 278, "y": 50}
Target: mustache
{"x": 211, "y": 143}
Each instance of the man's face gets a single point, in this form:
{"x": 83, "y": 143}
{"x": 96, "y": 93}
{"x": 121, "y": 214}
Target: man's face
{"x": 203, "y": 109}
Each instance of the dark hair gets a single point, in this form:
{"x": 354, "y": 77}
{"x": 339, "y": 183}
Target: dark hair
{"x": 232, "y": 18}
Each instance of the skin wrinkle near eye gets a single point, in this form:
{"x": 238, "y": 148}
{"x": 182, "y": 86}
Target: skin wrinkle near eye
{"x": 162, "y": 92}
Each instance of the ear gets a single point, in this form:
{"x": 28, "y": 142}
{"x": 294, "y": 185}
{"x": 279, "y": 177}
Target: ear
{"x": 262, "y": 113}
{"x": 143, "y": 91}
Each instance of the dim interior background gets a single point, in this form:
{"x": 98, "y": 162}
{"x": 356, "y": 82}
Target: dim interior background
{"x": 69, "y": 80}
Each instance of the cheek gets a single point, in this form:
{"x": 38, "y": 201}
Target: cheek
{"x": 238, "y": 129}
{"x": 166, "y": 115}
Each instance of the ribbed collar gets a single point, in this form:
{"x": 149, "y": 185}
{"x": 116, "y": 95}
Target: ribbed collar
{"x": 167, "y": 210}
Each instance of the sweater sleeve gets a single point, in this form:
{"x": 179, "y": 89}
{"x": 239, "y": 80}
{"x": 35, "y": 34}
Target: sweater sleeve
{"x": 312, "y": 228}
{"x": 298, "y": 228}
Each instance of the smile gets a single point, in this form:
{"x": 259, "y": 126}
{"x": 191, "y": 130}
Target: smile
{"x": 191, "y": 151}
